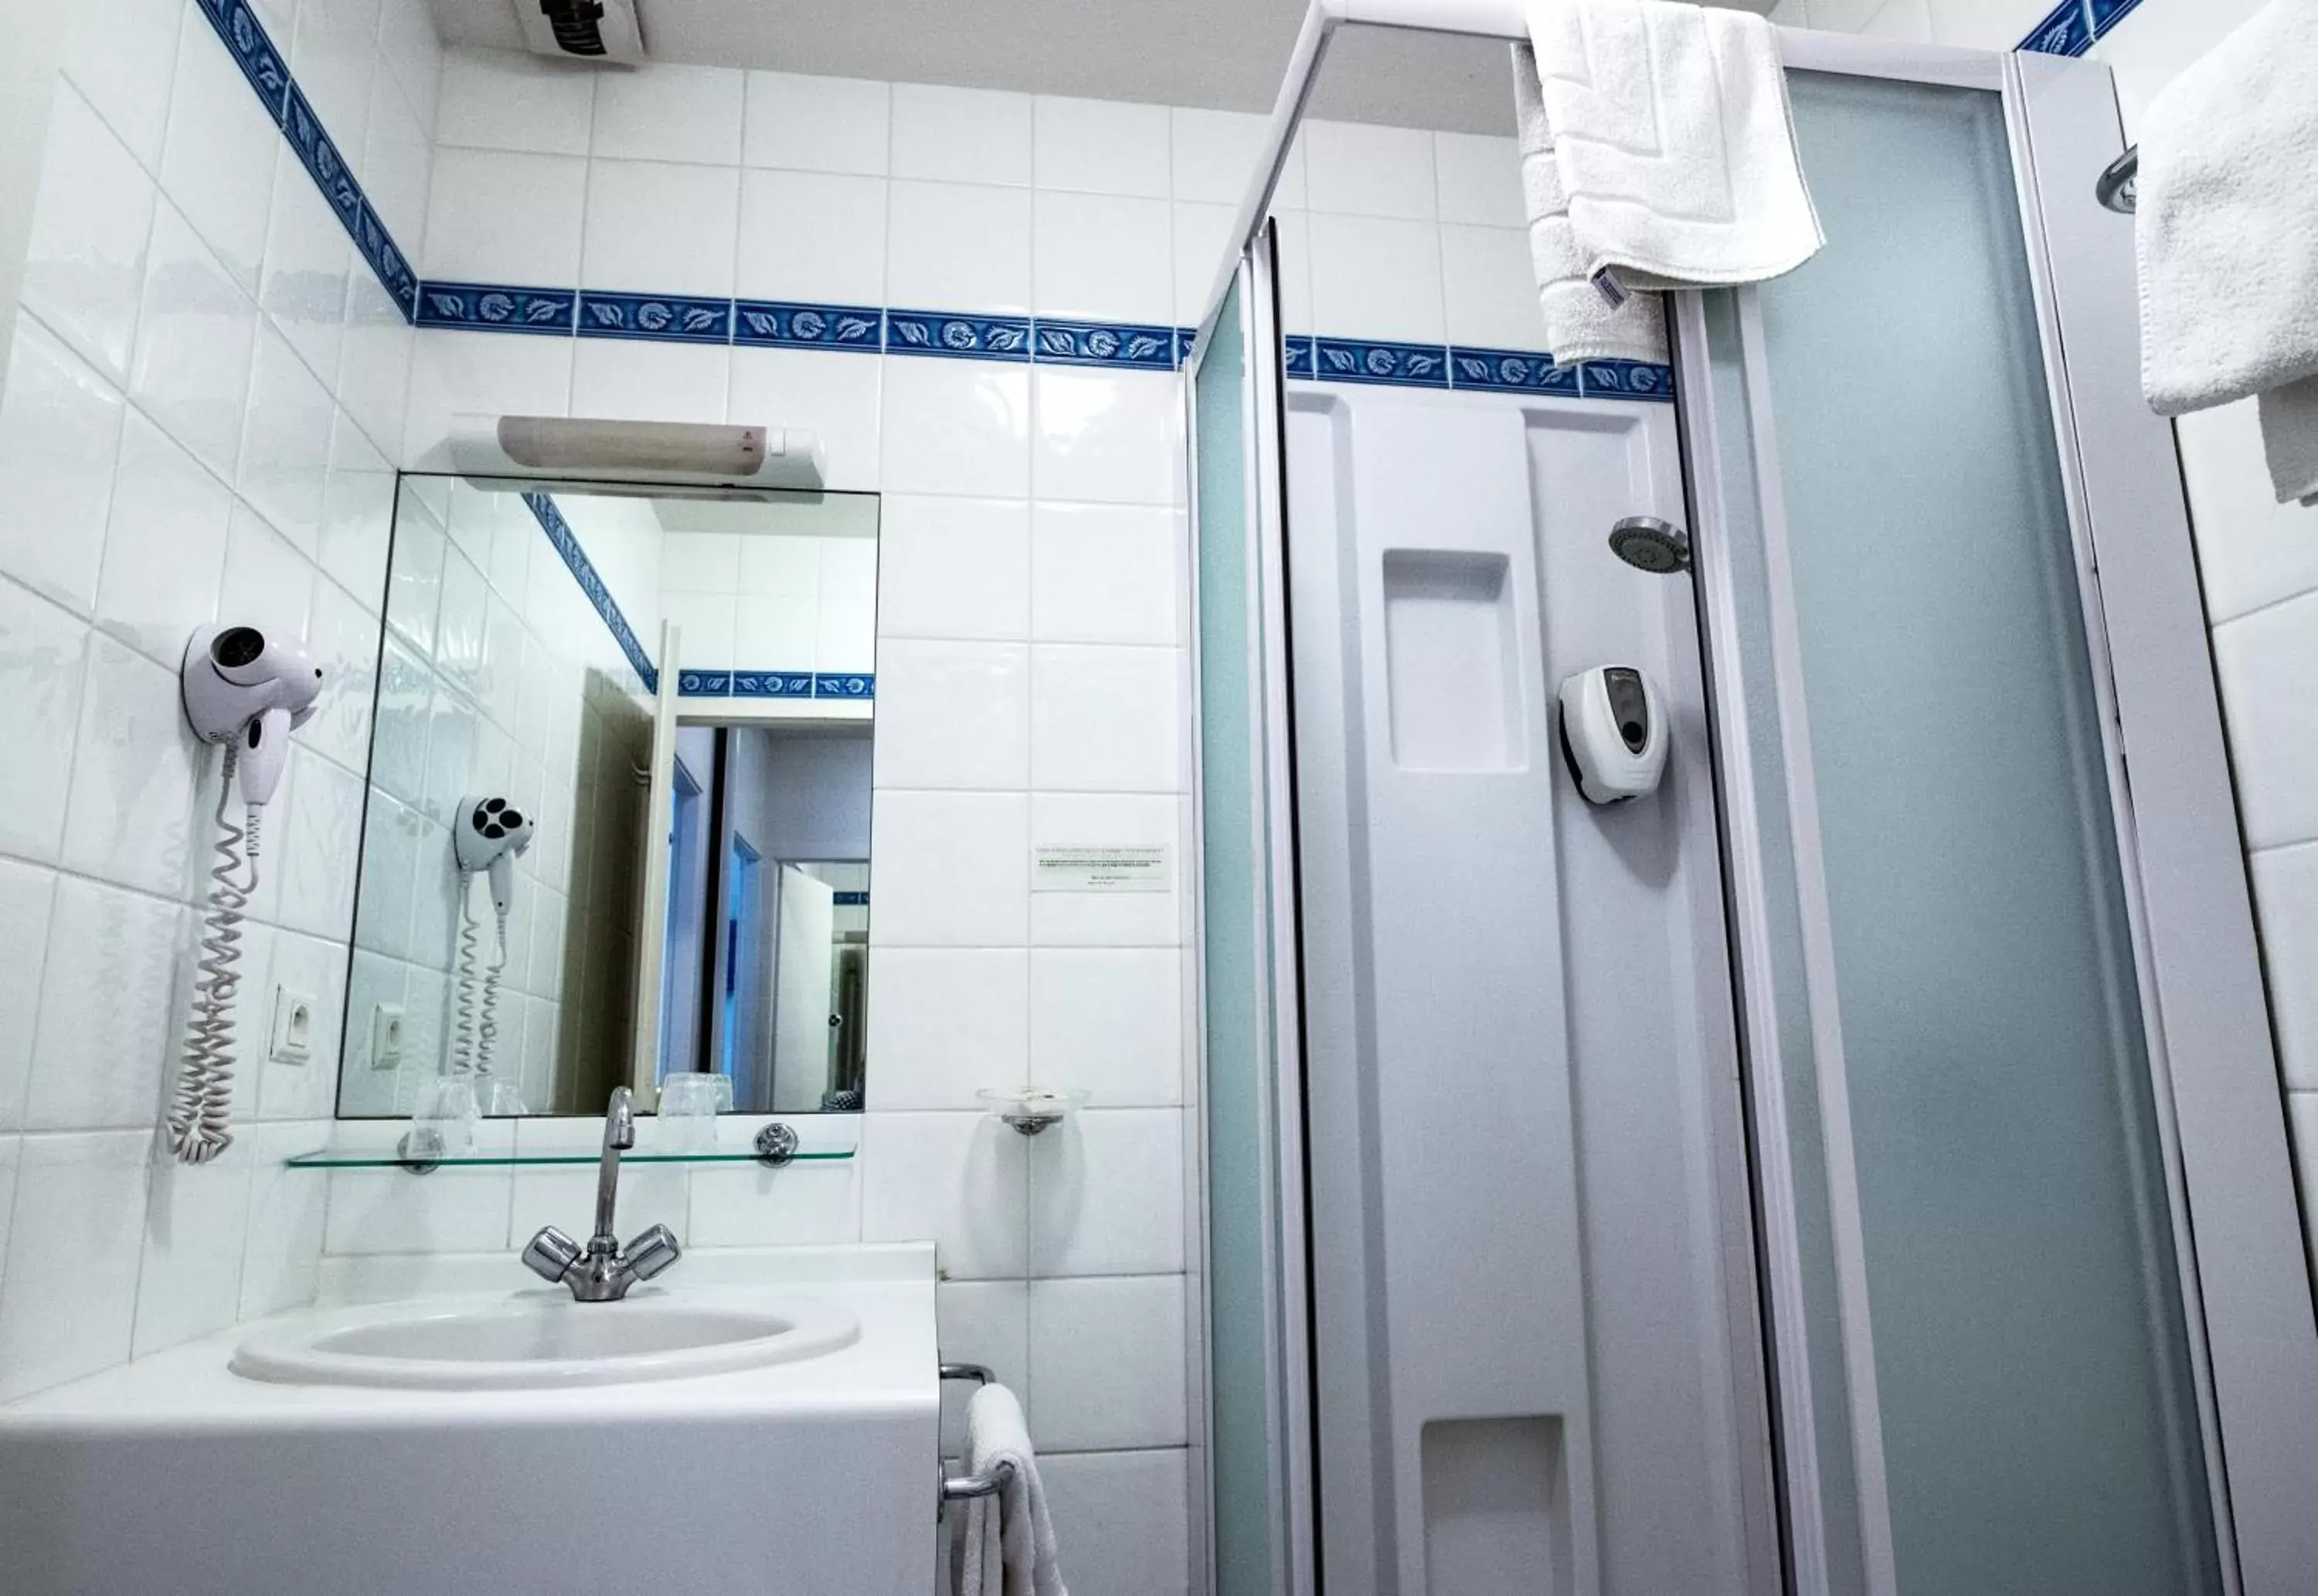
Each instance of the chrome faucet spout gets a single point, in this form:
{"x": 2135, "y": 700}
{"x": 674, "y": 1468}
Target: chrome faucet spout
{"x": 602, "y": 1271}
{"x": 619, "y": 1134}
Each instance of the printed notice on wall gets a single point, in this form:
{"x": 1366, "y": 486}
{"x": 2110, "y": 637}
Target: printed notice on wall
{"x": 1143, "y": 869}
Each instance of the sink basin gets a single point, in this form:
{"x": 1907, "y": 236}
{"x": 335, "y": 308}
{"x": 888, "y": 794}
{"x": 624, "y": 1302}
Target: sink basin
{"x": 539, "y": 1339}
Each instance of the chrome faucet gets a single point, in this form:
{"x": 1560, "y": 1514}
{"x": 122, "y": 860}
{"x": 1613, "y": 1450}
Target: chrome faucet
{"x": 602, "y": 1271}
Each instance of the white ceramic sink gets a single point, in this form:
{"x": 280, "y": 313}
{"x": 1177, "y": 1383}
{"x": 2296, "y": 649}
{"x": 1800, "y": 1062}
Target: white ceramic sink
{"x": 538, "y": 1339}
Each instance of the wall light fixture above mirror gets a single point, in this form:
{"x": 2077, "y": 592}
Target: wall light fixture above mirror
{"x": 617, "y": 820}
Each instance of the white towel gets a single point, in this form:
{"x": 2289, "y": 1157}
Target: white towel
{"x": 1002, "y": 1544}
{"x": 1674, "y": 156}
{"x": 1580, "y": 323}
{"x": 2227, "y": 231}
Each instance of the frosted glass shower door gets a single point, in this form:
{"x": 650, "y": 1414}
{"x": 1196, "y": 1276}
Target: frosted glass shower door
{"x": 2020, "y": 1395}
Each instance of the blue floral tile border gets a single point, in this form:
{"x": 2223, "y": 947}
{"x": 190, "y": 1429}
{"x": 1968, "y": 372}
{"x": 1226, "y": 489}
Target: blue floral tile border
{"x": 777, "y": 684}
{"x": 1101, "y": 343}
{"x": 772, "y": 324}
{"x": 286, "y": 106}
{"x": 1465, "y": 369}
{"x": 850, "y": 900}
{"x": 772, "y": 683}
{"x": 960, "y": 337}
{"x": 662, "y": 319}
{"x": 494, "y": 308}
{"x": 544, "y": 510}
{"x": 1511, "y": 371}
{"x": 1364, "y": 359}
{"x": 2070, "y": 28}
{"x": 780, "y": 325}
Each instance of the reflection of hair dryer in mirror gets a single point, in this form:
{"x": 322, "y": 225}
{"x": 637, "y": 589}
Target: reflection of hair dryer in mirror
{"x": 487, "y": 835}
{"x": 246, "y": 691}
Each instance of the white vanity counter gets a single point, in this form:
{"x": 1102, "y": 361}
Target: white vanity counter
{"x": 174, "y": 1474}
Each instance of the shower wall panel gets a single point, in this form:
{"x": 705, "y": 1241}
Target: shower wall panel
{"x": 1535, "y": 1351}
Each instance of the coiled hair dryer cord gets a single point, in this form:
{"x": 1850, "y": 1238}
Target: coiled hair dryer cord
{"x": 200, "y": 1107}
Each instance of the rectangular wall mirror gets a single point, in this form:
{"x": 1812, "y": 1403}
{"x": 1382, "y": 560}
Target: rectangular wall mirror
{"x": 616, "y": 827}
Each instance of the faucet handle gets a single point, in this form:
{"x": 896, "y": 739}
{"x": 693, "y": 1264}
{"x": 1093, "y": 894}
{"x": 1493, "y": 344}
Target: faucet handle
{"x": 651, "y": 1252}
{"x": 551, "y": 1254}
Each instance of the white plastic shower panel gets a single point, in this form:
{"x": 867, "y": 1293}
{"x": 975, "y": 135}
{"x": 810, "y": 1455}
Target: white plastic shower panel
{"x": 1524, "y": 1296}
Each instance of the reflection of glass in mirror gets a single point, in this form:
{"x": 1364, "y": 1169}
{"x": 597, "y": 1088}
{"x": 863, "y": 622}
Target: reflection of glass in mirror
{"x": 547, "y": 649}
{"x": 769, "y": 913}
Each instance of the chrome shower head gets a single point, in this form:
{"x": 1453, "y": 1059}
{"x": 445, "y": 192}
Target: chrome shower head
{"x": 1648, "y": 544}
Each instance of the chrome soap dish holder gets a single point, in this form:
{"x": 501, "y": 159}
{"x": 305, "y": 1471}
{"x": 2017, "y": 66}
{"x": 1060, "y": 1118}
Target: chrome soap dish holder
{"x": 1031, "y": 1110}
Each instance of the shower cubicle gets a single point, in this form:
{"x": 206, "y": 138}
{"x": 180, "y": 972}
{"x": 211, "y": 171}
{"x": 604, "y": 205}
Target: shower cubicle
{"x": 1859, "y": 1164}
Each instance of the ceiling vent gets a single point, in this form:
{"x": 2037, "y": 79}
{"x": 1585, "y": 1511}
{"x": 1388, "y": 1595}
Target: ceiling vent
{"x": 582, "y": 30}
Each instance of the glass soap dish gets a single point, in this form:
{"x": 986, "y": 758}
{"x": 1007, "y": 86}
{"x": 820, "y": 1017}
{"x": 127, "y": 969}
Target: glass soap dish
{"x": 1031, "y": 1110}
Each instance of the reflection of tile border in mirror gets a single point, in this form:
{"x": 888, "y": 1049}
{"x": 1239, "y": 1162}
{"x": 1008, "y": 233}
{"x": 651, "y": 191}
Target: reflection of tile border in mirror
{"x": 772, "y": 683}
{"x": 559, "y": 532}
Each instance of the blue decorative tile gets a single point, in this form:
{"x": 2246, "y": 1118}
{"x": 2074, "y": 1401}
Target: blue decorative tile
{"x": 1298, "y": 351}
{"x": 323, "y": 163}
{"x": 2065, "y": 31}
{"x": 386, "y": 260}
{"x": 1367, "y": 360}
{"x": 583, "y": 570}
{"x": 1626, "y": 380}
{"x": 703, "y": 684}
{"x": 246, "y": 41}
{"x": 497, "y": 306}
{"x": 772, "y": 683}
{"x": 965, "y": 337}
{"x": 1104, "y": 344}
{"x": 664, "y": 318}
{"x": 2107, "y": 13}
{"x": 777, "y": 325}
{"x": 850, "y": 900}
{"x": 1187, "y": 339}
{"x": 1510, "y": 370}
{"x": 844, "y": 684}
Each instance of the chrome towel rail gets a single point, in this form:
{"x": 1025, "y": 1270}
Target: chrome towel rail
{"x": 968, "y": 1486}
{"x": 2115, "y": 187}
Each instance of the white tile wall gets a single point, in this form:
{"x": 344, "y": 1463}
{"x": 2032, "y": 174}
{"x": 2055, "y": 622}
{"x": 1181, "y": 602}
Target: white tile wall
{"x": 203, "y": 396}
{"x": 2259, "y": 559}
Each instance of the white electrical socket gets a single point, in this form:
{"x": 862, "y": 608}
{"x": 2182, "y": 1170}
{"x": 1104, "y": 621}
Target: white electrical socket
{"x": 293, "y": 1026}
{"x": 386, "y": 1036}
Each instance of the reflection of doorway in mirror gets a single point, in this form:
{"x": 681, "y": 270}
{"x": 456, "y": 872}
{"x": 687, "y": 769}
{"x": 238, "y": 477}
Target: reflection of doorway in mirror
{"x": 820, "y": 985}
{"x": 745, "y": 999}
{"x": 687, "y": 828}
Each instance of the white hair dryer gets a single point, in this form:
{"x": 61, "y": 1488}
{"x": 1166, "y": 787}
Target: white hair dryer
{"x": 247, "y": 692}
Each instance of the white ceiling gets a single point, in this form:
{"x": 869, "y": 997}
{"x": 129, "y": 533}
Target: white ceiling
{"x": 1224, "y": 54}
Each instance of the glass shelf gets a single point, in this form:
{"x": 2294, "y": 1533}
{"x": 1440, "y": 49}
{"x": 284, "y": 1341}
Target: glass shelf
{"x": 385, "y": 1159}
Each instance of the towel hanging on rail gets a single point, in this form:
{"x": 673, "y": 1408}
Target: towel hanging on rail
{"x": 2227, "y": 227}
{"x": 1002, "y": 1540}
{"x": 1657, "y": 154}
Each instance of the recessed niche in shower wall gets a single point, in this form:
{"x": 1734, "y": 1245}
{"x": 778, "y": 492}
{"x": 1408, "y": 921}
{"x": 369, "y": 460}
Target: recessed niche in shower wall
{"x": 1451, "y": 662}
{"x": 1496, "y": 1507}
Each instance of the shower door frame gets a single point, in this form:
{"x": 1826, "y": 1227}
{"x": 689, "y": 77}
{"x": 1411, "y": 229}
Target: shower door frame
{"x": 2243, "y": 1283}
{"x": 1287, "y": 1412}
